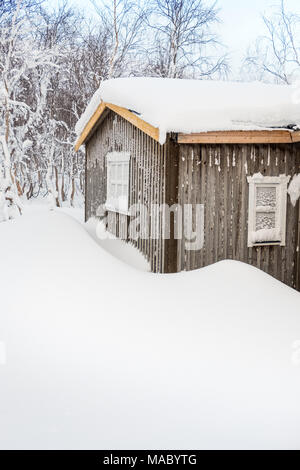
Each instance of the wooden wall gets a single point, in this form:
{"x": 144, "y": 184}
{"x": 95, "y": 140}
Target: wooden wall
{"x": 212, "y": 175}
{"x": 216, "y": 176}
{"x": 153, "y": 179}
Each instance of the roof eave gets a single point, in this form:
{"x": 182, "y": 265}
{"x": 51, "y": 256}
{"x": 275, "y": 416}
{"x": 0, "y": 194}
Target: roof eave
{"x": 272, "y": 136}
{"x": 123, "y": 112}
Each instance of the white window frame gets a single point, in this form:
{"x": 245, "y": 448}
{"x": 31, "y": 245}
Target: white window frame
{"x": 281, "y": 184}
{"x": 114, "y": 182}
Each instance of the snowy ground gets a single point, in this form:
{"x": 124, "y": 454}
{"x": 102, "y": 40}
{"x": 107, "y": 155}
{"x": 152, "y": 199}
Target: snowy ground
{"x": 95, "y": 354}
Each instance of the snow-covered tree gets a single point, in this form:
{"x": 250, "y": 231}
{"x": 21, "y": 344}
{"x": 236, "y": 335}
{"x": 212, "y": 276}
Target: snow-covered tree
{"x": 25, "y": 70}
{"x": 53, "y": 60}
{"x": 38, "y": 92}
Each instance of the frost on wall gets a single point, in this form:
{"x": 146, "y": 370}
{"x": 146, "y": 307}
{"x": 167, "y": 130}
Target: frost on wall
{"x": 294, "y": 189}
{"x": 265, "y": 220}
{"x": 265, "y": 207}
{"x": 265, "y": 213}
{"x": 266, "y": 196}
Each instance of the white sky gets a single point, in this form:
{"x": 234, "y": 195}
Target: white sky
{"x": 241, "y": 22}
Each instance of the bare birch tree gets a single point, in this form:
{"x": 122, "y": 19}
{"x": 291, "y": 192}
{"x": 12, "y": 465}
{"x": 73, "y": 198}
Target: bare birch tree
{"x": 276, "y": 55}
{"x": 184, "y": 43}
{"x": 9, "y": 6}
{"x": 125, "y": 22}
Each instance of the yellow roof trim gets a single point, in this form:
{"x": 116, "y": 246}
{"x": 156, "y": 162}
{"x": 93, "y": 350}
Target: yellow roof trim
{"x": 123, "y": 112}
{"x": 276, "y": 136}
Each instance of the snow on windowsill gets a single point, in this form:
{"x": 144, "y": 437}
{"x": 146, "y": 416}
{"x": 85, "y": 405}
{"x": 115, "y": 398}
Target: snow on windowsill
{"x": 265, "y": 236}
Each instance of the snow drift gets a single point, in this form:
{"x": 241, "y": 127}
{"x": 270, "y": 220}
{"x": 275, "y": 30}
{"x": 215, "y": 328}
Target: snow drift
{"x": 98, "y": 355}
{"x": 175, "y": 105}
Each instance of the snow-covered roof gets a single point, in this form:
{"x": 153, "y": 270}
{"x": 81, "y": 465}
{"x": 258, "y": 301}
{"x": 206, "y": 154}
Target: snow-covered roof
{"x": 188, "y": 106}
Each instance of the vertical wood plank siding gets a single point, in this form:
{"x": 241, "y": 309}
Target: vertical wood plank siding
{"x": 212, "y": 175}
{"x": 216, "y": 176}
{"x": 153, "y": 179}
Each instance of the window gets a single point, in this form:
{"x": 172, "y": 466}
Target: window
{"x": 117, "y": 181}
{"x": 267, "y": 210}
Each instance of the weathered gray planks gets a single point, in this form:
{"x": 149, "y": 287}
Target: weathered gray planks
{"x": 153, "y": 180}
{"x": 221, "y": 172}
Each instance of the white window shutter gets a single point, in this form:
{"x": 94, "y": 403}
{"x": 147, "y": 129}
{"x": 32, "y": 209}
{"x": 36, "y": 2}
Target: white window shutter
{"x": 118, "y": 181}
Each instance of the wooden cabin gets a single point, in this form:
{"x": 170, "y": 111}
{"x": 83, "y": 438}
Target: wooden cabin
{"x": 238, "y": 169}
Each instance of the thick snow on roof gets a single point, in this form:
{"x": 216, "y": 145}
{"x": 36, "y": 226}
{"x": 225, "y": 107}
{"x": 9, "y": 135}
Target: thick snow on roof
{"x": 175, "y": 105}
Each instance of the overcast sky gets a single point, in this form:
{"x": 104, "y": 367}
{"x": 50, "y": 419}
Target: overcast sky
{"x": 241, "y": 22}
